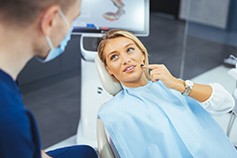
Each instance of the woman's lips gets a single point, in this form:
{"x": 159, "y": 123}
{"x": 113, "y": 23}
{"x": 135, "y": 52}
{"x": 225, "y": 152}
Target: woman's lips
{"x": 129, "y": 68}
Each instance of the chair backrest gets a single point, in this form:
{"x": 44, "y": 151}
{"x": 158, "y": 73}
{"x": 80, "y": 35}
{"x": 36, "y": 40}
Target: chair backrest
{"x": 109, "y": 83}
{"x": 112, "y": 86}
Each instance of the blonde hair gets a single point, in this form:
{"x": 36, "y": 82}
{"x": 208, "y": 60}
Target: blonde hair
{"x": 120, "y": 33}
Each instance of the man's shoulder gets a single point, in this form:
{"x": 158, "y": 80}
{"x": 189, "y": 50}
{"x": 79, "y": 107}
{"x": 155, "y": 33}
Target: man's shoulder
{"x": 8, "y": 87}
{"x": 9, "y": 94}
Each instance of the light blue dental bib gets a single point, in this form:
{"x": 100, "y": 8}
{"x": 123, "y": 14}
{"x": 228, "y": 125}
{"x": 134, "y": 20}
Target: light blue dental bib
{"x": 155, "y": 122}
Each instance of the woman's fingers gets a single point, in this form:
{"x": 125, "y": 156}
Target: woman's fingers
{"x": 154, "y": 77}
{"x": 155, "y": 70}
{"x": 153, "y": 66}
{"x": 160, "y": 72}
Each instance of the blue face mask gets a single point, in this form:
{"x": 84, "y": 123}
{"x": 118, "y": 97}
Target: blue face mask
{"x": 55, "y": 52}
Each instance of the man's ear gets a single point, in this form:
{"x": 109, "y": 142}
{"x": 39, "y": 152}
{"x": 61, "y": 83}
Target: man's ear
{"x": 48, "y": 19}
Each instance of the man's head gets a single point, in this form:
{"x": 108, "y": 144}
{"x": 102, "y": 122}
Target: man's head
{"x": 30, "y": 28}
{"x": 24, "y": 12}
{"x": 45, "y": 23}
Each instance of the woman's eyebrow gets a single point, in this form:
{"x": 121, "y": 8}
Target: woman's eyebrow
{"x": 128, "y": 45}
{"x": 123, "y": 47}
{"x": 111, "y": 53}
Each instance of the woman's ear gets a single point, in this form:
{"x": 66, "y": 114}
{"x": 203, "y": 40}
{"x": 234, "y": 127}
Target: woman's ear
{"x": 143, "y": 57}
{"x": 109, "y": 71}
{"x": 111, "y": 74}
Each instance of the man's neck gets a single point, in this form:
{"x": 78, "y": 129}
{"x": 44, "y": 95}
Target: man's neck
{"x": 14, "y": 50}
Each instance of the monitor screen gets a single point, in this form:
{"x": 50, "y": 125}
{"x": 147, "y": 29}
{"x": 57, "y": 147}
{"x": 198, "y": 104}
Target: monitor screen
{"x": 99, "y": 16}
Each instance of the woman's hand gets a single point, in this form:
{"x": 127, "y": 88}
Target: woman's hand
{"x": 200, "y": 92}
{"x": 160, "y": 72}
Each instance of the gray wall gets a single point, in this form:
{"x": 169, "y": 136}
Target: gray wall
{"x": 37, "y": 74}
{"x": 209, "y": 12}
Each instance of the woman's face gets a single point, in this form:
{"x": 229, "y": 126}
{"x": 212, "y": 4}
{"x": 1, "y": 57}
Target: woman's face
{"x": 124, "y": 59}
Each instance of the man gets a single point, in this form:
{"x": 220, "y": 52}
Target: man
{"x": 30, "y": 28}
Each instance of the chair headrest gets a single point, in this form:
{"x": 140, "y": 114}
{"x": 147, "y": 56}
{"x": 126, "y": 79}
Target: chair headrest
{"x": 110, "y": 84}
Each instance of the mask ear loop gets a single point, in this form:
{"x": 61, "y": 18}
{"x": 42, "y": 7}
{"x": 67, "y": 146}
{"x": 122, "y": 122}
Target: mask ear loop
{"x": 65, "y": 21}
{"x": 60, "y": 12}
{"x": 49, "y": 42}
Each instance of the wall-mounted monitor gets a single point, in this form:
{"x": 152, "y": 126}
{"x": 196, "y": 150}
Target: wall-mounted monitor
{"x": 99, "y": 16}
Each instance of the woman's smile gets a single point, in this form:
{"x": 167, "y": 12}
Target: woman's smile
{"x": 129, "y": 68}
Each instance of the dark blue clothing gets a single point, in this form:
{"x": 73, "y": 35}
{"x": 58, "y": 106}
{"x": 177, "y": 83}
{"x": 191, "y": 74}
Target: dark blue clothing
{"x": 19, "y": 136}
{"x": 80, "y": 151}
{"x": 18, "y": 132}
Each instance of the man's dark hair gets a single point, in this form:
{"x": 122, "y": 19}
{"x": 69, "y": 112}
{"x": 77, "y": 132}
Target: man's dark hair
{"x": 22, "y": 12}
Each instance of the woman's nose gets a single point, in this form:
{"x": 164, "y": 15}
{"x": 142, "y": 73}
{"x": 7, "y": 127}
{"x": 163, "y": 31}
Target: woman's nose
{"x": 126, "y": 60}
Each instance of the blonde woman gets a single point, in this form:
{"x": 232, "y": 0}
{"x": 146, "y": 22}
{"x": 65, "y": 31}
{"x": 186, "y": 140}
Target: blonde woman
{"x": 157, "y": 114}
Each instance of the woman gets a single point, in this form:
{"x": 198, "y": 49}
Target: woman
{"x": 30, "y": 28}
{"x": 156, "y": 114}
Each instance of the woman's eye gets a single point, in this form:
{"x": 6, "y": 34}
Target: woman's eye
{"x": 130, "y": 50}
{"x": 114, "y": 57}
